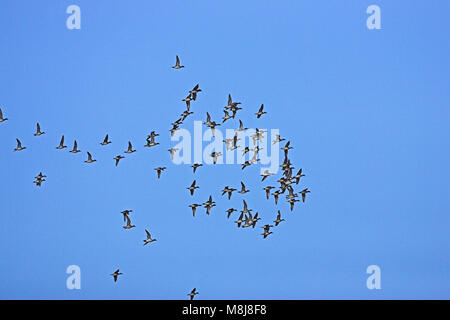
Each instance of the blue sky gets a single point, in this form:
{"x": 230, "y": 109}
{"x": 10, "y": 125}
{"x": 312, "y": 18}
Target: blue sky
{"x": 367, "y": 112}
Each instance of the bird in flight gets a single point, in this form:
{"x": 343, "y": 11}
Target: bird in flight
{"x": 159, "y": 170}
{"x": 194, "y": 207}
{"x": 193, "y": 293}
{"x": 260, "y": 111}
{"x": 172, "y": 152}
{"x": 298, "y": 176}
{"x": 266, "y": 174}
{"x": 19, "y": 146}
{"x": 116, "y": 274}
{"x": 105, "y": 141}
{"x": 292, "y": 202}
{"x": 277, "y": 139}
{"x": 130, "y": 148}
{"x": 278, "y": 220}
{"x": 75, "y": 147}
{"x": 230, "y": 211}
{"x": 177, "y": 63}
{"x": 38, "y": 130}
{"x": 303, "y": 193}
{"x": 125, "y": 214}
{"x": 89, "y": 160}
{"x": 243, "y": 190}
{"x": 1, "y": 116}
{"x": 209, "y": 204}
{"x": 118, "y": 158}
{"x": 61, "y": 144}
{"x": 267, "y": 189}
{"x": 266, "y": 230}
{"x": 196, "y": 165}
{"x": 239, "y": 220}
{"x": 229, "y": 191}
{"x": 149, "y": 238}
{"x": 129, "y": 225}
{"x": 194, "y": 91}
{"x": 245, "y": 210}
{"x": 192, "y": 187}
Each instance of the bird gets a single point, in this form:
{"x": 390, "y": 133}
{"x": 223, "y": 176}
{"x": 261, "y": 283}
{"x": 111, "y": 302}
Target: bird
{"x": 130, "y": 148}
{"x": 266, "y": 233}
{"x": 241, "y": 126}
{"x": 38, "y": 130}
{"x": 247, "y": 221}
{"x": 303, "y": 193}
{"x": 287, "y": 147}
{"x": 117, "y": 158}
{"x": 267, "y": 189}
{"x": 105, "y": 141}
{"x": 38, "y": 182}
{"x": 215, "y": 155}
{"x": 229, "y": 191}
{"x": 266, "y": 174}
{"x": 188, "y": 100}
{"x": 231, "y": 104}
{"x": 172, "y": 152}
{"x": 61, "y": 144}
{"x": 209, "y": 204}
{"x": 275, "y": 195}
{"x": 255, "y": 220}
{"x": 149, "y": 238}
{"x": 19, "y": 146}
{"x": 177, "y": 63}
{"x": 245, "y": 210}
{"x": 239, "y": 220}
{"x": 129, "y": 225}
{"x": 260, "y": 111}
{"x": 125, "y": 214}
{"x": 192, "y": 187}
{"x": 298, "y": 176}
{"x": 278, "y": 220}
{"x": 40, "y": 176}
{"x": 159, "y": 170}
{"x": 226, "y": 116}
{"x": 75, "y": 147}
{"x": 277, "y": 139}
{"x": 243, "y": 190}
{"x": 89, "y": 160}
{"x": 194, "y": 207}
{"x": 116, "y": 274}
{"x": 1, "y": 116}
{"x": 193, "y": 293}
{"x": 230, "y": 211}
{"x": 292, "y": 202}
{"x": 195, "y": 166}
{"x": 194, "y": 91}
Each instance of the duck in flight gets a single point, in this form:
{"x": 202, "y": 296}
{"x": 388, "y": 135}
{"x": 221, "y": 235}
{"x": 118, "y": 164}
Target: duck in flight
{"x": 260, "y": 111}
{"x": 192, "y": 187}
{"x": 125, "y": 214}
{"x": 243, "y": 190}
{"x": 38, "y": 130}
{"x": 151, "y": 142}
{"x": 149, "y": 238}
{"x": 229, "y": 191}
{"x": 159, "y": 170}
{"x": 1, "y": 116}
{"x": 267, "y": 189}
{"x": 226, "y": 116}
{"x": 303, "y": 193}
{"x": 195, "y": 166}
{"x": 19, "y": 146}
{"x": 266, "y": 230}
{"x": 277, "y": 139}
{"x": 230, "y": 211}
{"x": 177, "y": 63}
{"x": 105, "y": 141}
{"x": 194, "y": 91}
{"x": 194, "y": 207}
{"x": 75, "y": 147}
{"x": 278, "y": 220}
{"x": 276, "y": 194}
{"x": 193, "y": 293}
{"x": 215, "y": 156}
{"x": 266, "y": 174}
{"x": 172, "y": 152}
{"x": 209, "y": 204}
{"x": 116, "y": 274}
{"x": 61, "y": 144}
{"x": 239, "y": 220}
{"x": 89, "y": 160}
{"x": 130, "y": 148}
{"x": 245, "y": 210}
{"x": 292, "y": 202}
{"x": 128, "y": 225}
{"x": 118, "y": 158}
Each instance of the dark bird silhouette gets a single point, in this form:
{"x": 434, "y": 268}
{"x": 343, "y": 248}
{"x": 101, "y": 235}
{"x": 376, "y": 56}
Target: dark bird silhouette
{"x": 177, "y": 63}
{"x": 116, "y": 274}
{"x": 192, "y": 293}
{"x": 130, "y": 148}
{"x": 192, "y": 187}
{"x": 1, "y": 116}
{"x": 61, "y": 144}
{"x": 159, "y": 170}
{"x": 38, "y": 130}
{"x": 105, "y": 141}
{"x": 89, "y": 160}
{"x": 75, "y": 147}
{"x": 149, "y": 238}
{"x": 19, "y": 146}
{"x": 118, "y": 158}
{"x": 260, "y": 111}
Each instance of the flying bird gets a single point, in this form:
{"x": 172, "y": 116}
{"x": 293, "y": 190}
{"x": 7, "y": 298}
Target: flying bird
{"x": 260, "y": 111}
{"x": 89, "y": 160}
{"x": 159, "y": 170}
{"x": 130, "y": 148}
{"x": 149, "y": 238}
{"x": 243, "y": 190}
{"x": 177, "y": 63}
{"x": 192, "y": 188}
{"x": 125, "y": 214}
{"x": 192, "y": 293}
{"x": 172, "y": 152}
{"x": 1, "y": 116}
{"x": 75, "y": 147}
{"x": 61, "y": 144}
{"x": 129, "y": 225}
{"x": 19, "y": 146}
{"x": 105, "y": 141}
{"x": 278, "y": 220}
{"x": 38, "y": 130}
{"x": 118, "y": 158}
{"x": 303, "y": 193}
{"x": 194, "y": 207}
{"x": 116, "y": 274}
{"x": 196, "y": 165}
{"x": 267, "y": 189}
{"x": 230, "y": 211}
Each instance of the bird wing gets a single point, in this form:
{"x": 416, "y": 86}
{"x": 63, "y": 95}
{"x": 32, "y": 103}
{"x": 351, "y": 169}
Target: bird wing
{"x": 38, "y": 127}
{"x": 106, "y": 139}
{"x": 75, "y": 145}
{"x": 130, "y": 146}
{"x": 178, "y": 60}
{"x": 19, "y": 144}
{"x": 61, "y": 143}
{"x": 89, "y": 156}
{"x": 148, "y": 234}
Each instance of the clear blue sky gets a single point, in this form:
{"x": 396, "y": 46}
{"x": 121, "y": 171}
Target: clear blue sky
{"x": 367, "y": 112}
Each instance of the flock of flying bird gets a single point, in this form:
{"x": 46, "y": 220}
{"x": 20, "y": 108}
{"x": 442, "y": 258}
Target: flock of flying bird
{"x": 246, "y": 219}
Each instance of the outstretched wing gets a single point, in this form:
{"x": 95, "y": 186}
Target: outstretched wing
{"x": 19, "y": 144}
{"x": 89, "y": 156}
